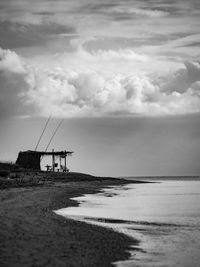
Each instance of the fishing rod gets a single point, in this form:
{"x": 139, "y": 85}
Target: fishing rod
{"x": 58, "y": 126}
{"x": 42, "y": 132}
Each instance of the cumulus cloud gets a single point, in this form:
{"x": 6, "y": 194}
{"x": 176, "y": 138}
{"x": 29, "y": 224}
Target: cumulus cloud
{"x": 14, "y": 86}
{"x": 127, "y": 54}
{"x": 10, "y": 61}
{"x": 67, "y": 93}
{"x": 180, "y": 80}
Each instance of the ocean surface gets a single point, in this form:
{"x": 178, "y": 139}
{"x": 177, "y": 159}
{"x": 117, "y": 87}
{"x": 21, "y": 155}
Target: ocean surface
{"x": 164, "y": 216}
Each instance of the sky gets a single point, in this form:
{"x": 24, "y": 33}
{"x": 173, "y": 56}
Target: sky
{"x": 124, "y": 76}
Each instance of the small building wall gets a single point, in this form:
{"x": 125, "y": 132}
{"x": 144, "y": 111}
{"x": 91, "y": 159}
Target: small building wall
{"x": 29, "y": 160}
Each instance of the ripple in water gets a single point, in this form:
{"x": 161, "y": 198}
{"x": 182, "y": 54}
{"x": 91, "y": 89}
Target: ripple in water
{"x": 164, "y": 217}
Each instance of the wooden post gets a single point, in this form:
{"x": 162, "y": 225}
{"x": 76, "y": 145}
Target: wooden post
{"x": 60, "y": 163}
{"x": 65, "y": 162}
{"x": 53, "y": 160}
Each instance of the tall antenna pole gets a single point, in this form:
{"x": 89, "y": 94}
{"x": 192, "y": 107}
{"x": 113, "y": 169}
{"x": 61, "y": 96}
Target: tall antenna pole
{"x": 42, "y": 132}
{"x": 54, "y": 134}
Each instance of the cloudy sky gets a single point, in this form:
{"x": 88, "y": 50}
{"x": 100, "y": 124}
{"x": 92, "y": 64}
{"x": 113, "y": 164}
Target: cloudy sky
{"x": 124, "y": 75}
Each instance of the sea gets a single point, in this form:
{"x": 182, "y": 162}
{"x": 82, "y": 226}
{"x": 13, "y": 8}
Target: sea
{"x": 163, "y": 215}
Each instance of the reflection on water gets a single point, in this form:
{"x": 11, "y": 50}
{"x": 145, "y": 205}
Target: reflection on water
{"x": 164, "y": 216}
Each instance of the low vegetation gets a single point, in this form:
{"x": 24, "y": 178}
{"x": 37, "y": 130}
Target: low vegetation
{"x": 11, "y": 175}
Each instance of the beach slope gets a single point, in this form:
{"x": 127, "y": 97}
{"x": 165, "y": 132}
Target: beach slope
{"x": 31, "y": 234}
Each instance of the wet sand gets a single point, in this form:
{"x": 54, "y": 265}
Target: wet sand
{"x": 31, "y": 234}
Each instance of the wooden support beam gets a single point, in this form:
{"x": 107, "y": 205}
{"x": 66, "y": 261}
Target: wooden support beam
{"x": 65, "y": 162}
{"x": 60, "y": 162}
{"x": 53, "y": 160}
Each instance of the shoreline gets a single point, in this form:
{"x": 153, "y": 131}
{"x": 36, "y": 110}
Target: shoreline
{"x": 31, "y": 234}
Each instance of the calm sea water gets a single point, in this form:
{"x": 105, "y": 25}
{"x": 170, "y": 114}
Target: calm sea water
{"x": 163, "y": 216}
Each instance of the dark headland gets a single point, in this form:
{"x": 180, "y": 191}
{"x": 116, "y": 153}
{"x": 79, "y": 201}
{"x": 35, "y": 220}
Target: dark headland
{"x": 31, "y": 234}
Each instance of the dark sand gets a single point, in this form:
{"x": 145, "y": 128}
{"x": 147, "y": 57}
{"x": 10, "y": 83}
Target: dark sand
{"x": 31, "y": 234}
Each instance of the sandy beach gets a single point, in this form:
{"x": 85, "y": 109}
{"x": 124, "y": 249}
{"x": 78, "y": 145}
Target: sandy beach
{"x": 31, "y": 234}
